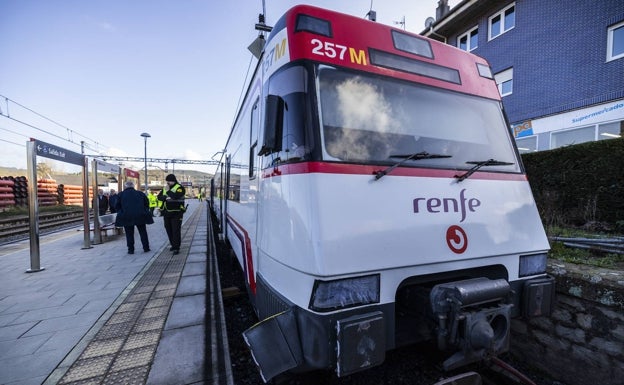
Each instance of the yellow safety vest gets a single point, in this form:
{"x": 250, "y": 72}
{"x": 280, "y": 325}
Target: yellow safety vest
{"x": 173, "y": 205}
{"x": 153, "y": 201}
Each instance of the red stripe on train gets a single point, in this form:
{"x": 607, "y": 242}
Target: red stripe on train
{"x": 243, "y": 237}
{"x": 358, "y": 169}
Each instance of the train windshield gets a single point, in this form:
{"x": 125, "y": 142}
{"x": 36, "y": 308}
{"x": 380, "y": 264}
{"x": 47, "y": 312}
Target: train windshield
{"x": 368, "y": 119}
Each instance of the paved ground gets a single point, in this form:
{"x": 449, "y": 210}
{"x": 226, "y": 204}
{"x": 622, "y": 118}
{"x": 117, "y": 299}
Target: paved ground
{"x": 52, "y": 321}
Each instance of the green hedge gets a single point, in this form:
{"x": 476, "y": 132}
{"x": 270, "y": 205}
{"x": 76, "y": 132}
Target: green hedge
{"x": 579, "y": 184}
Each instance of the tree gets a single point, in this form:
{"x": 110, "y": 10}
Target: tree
{"x": 44, "y": 171}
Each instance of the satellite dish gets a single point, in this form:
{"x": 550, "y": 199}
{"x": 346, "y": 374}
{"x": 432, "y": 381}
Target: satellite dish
{"x": 429, "y": 22}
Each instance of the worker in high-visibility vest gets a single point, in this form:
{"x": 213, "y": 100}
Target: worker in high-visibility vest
{"x": 153, "y": 202}
{"x": 173, "y": 208}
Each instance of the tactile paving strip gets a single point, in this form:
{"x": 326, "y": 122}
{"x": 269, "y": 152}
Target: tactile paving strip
{"x": 122, "y": 351}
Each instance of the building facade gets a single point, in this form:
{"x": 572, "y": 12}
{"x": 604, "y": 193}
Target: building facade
{"x": 559, "y": 64}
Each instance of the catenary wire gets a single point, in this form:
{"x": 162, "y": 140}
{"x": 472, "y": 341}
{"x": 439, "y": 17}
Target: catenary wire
{"x": 8, "y": 141}
{"x": 14, "y": 132}
{"x": 240, "y": 97}
{"x": 70, "y": 132}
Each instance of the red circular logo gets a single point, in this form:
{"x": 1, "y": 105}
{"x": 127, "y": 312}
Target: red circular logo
{"x": 456, "y": 239}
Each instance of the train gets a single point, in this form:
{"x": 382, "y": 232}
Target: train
{"x": 374, "y": 197}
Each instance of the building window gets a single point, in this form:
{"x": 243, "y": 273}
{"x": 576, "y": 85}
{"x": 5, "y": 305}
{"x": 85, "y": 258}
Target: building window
{"x": 502, "y": 22}
{"x": 615, "y": 42}
{"x": 504, "y": 81}
{"x": 573, "y": 136}
{"x": 469, "y": 40}
{"x": 527, "y": 144}
{"x": 611, "y": 130}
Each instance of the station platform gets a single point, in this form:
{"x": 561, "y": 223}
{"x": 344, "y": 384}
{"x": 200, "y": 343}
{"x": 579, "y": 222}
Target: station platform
{"x": 102, "y": 316}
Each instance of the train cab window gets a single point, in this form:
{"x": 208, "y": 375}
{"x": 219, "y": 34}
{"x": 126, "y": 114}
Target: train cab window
{"x": 373, "y": 120}
{"x": 291, "y": 85}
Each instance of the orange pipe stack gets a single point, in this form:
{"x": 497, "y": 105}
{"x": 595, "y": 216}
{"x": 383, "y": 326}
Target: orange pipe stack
{"x": 70, "y": 195}
{"x": 47, "y": 192}
{"x": 7, "y": 195}
{"x": 20, "y": 189}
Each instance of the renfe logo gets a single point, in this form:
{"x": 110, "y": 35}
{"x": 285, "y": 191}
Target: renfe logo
{"x": 447, "y": 205}
{"x": 456, "y": 239}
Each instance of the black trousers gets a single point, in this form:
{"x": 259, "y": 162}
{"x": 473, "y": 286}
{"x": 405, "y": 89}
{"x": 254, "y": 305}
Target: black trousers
{"x": 130, "y": 236}
{"x": 173, "y": 226}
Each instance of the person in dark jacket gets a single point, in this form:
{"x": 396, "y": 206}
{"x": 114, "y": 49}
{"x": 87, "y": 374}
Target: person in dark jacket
{"x": 172, "y": 210}
{"x": 133, "y": 210}
{"x": 102, "y": 202}
{"x": 112, "y": 201}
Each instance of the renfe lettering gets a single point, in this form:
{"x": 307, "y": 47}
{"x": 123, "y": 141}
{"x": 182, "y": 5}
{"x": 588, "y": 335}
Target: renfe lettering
{"x": 447, "y": 205}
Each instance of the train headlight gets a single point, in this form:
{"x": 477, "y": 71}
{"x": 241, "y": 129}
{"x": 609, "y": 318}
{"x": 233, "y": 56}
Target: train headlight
{"x": 344, "y": 293}
{"x": 532, "y": 264}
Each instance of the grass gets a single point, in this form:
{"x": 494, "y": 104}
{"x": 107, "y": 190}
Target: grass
{"x": 563, "y": 253}
{"x": 20, "y": 211}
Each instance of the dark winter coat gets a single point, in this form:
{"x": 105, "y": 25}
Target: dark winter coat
{"x": 133, "y": 209}
{"x": 102, "y": 204}
{"x": 112, "y": 202}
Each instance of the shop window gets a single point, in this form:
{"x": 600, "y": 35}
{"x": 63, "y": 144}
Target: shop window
{"x": 573, "y": 136}
{"x": 527, "y": 144}
{"x": 611, "y": 130}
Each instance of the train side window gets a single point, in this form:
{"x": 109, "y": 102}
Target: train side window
{"x": 273, "y": 120}
{"x": 286, "y": 118}
{"x": 253, "y": 138}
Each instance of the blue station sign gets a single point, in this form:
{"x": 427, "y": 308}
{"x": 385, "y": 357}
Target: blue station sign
{"x": 51, "y": 151}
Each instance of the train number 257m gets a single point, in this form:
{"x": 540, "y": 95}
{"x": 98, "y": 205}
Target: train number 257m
{"x": 332, "y": 50}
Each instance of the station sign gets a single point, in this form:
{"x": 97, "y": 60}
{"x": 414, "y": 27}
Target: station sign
{"x": 107, "y": 167}
{"x": 132, "y": 173}
{"x": 186, "y": 184}
{"x": 51, "y": 151}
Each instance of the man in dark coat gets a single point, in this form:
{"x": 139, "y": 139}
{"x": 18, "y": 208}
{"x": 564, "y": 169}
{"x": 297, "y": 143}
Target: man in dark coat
{"x": 102, "y": 202}
{"x": 112, "y": 201}
{"x": 133, "y": 210}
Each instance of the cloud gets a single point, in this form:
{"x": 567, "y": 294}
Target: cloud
{"x": 105, "y": 26}
{"x": 192, "y": 155}
{"x": 112, "y": 151}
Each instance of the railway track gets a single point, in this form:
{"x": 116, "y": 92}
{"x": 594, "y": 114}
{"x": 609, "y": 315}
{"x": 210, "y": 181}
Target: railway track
{"x": 17, "y": 228}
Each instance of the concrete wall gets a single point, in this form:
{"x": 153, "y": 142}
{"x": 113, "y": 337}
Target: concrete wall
{"x": 583, "y": 341}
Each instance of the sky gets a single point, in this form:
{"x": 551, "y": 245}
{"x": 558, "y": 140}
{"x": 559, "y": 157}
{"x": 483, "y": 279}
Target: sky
{"x": 105, "y": 71}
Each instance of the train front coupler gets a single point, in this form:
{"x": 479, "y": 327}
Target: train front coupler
{"x": 473, "y": 319}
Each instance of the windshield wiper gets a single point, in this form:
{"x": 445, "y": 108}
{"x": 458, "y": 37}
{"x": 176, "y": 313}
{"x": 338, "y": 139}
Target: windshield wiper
{"x": 416, "y": 156}
{"x": 478, "y": 165}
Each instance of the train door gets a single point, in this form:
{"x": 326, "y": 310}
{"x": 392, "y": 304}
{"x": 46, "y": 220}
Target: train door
{"x": 254, "y": 182}
{"x": 253, "y": 139}
{"x": 226, "y": 194}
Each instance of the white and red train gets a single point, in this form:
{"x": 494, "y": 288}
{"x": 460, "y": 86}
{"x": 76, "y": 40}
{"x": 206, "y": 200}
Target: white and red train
{"x": 373, "y": 195}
